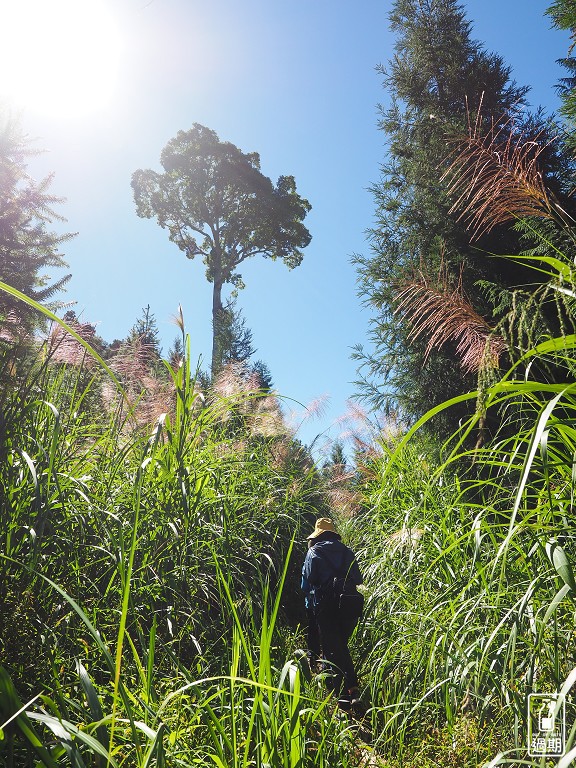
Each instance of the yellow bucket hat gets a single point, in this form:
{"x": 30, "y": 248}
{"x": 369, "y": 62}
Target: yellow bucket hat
{"x": 323, "y": 524}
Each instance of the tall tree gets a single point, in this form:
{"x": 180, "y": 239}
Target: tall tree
{"x": 438, "y": 81}
{"x": 27, "y": 246}
{"x": 215, "y": 203}
{"x": 563, "y": 15}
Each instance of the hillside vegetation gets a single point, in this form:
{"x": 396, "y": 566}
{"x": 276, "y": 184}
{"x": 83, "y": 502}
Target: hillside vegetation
{"x": 150, "y": 600}
{"x": 153, "y": 519}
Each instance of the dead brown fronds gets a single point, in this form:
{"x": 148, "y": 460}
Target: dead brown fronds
{"x": 495, "y": 176}
{"x": 443, "y": 314}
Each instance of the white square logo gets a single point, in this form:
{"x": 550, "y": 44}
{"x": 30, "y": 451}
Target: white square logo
{"x": 546, "y": 724}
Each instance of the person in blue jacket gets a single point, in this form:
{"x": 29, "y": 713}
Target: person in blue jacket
{"x": 330, "y": 575}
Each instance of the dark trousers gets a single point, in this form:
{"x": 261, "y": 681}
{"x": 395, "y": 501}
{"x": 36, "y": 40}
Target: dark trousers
{"x": 335, "y": 631}
{"x": 313, "y": 637}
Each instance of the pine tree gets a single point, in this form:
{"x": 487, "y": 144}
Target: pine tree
{"x": 27, "y": 247}
{"x": 176, "y": 353}
{"x": 441, "y": 82}
{"x": 264, "y": 376}
{"x": 145, "y": 335}
{"x": 563, "y": 14}
{"x": 234, "y": 341}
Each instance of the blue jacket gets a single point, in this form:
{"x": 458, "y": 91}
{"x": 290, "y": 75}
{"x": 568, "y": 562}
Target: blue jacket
{"x": 326, "y": 559}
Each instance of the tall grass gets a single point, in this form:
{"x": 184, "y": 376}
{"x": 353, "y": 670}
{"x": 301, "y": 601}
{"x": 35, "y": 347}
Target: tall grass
{"x": 472, "y": 603}
{"x": 149, "y": 601}
{"x": 257, "y": 713}
{"x": 138, "y": 566}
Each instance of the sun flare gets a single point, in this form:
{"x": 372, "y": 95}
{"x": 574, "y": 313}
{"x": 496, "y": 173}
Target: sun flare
{"x": 58, "y": 57}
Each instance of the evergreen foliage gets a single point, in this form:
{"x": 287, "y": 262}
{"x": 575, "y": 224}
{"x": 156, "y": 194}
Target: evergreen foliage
{"x": 563, "y": 14}
{"x": 234, "y": 342}
{"x": 146, "y": 330}
{"x": 27, "y": 246}
{"x": 442, "y": 83}
{"x": 143, "y": 341}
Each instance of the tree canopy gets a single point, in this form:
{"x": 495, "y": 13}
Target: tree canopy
{"x": 217, "y": 204}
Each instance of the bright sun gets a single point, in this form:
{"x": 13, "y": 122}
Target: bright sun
{"x": 58, "y": 57}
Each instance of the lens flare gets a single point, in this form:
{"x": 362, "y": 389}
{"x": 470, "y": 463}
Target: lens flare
{"x": 59, "y": 58}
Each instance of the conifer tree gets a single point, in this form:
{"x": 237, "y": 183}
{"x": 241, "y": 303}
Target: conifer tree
{"x": 27, "y": 247}
{"x": 139, "y": 355}
{"x": 145, "y": 330}
{"x": 234, "y": 342}
{"x": 439, "y": 81}
{"x": 563, "y": 15}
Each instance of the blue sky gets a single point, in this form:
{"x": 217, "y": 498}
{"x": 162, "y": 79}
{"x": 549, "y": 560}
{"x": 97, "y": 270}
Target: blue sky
{"x": 294, "y": 80}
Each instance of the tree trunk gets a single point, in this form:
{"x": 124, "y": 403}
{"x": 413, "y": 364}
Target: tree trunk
{"x": 216, "y": 321}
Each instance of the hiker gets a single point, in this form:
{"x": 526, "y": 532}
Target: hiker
{"x": 330, "y": 575}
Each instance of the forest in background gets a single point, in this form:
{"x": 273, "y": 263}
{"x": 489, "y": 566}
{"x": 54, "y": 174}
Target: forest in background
{"x": 154, "y": 515}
